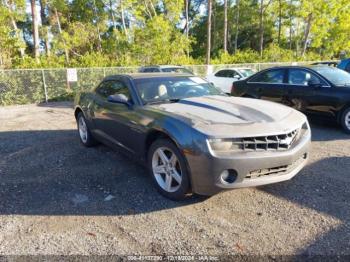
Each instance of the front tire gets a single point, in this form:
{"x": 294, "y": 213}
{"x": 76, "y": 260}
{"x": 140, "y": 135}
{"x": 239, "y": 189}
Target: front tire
{"x": 168, "y": 169}
{"x": 345, "y": 120}
{"x": 85, "y": 135}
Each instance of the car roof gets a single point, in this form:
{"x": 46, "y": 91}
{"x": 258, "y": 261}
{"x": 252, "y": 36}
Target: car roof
{"x": 233, "y": 68}
{"x": 148, "y": 75}
{"x": 298, "y": 66}
{"x": 163, "y": 66}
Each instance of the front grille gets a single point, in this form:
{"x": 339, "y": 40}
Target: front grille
{"x": 276, "y": 171}
{"x": 265, "y": 143}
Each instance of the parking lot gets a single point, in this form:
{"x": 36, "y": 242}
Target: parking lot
{"x": 57, "y": 197}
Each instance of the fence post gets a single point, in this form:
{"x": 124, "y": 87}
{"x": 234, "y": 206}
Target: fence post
{"x": 45, "y": 87}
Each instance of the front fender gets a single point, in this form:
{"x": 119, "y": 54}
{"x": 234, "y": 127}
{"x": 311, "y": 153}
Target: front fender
{"x": 82, "y": 102}
{"x": 178, "y": 131}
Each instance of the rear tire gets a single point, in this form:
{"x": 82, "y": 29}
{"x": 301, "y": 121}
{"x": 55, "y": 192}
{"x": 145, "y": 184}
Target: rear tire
{"x": 85, "y": 135}
{"x": 345, "y": 120}
{"x": 168, "y": 169}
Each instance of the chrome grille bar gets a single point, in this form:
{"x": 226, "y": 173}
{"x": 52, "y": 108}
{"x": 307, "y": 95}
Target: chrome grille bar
{"x": 266, "y": 143}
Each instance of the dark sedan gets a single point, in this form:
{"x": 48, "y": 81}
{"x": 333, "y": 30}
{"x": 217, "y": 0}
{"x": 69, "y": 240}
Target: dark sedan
{"x": 192, "y": 137}
{"x": 315, "y": 90}
{"x": 345, "y": 65}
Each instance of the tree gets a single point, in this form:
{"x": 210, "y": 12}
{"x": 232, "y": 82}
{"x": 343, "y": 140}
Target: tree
{"x": 133, "y": 32}
{"x": 307, "y": 32}
{"x": 35, "y": 31}
{"x": 262, "y": 10}
{"x": 15, "y": 9}
{"x": 237, "y": 25}
{"x": 45, "y": 24}
{"x": 186, "y": 7}
{"x": 225, "y": 25}
{"x": 209, "y": 32}
{"x": 60, "y": 32}
{"x": 158, "y": 42}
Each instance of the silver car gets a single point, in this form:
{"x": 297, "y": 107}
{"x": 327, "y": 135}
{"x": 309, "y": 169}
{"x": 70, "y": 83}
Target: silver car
{"x": 192, "y": 137}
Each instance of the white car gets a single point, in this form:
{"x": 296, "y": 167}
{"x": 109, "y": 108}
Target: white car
{"x": 224, "y": 78}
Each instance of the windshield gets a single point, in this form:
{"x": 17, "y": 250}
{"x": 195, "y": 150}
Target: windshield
{"x": 177, "y": 70}
{"x": 165, "y": 89}
{"x": 337, "y": 76}
{"x": 246, "y": 72}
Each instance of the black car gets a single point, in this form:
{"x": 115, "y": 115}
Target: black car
{"x": 345, "y": 65}
{"x": 314, "y": 90}
{"x": 327, "y": 63}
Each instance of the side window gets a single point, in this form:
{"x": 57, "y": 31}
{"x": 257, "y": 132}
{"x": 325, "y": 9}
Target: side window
{"x": 118, "y": 87}
{"x": 220, "y": 73}
{"x": 271, "y": 76}
{"x": 113, "y": 87}
{"x": 103, "y": 88}
{"x": 151, "y": 70}
{"x": 302, "y": 77}
{"x": 233, "y": 73}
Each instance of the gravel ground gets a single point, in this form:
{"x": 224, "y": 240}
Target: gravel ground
{"x": 57, "y": 197}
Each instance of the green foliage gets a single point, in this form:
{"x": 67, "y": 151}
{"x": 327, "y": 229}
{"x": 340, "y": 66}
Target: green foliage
{"x": 21, "y": 87}
{"x": 159, "y": 42}
{"x": 44, "y": 62}
{"x": 99, "y": 33}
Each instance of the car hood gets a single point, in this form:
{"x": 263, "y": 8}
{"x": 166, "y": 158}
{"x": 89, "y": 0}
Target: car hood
{"x": 223, "y": 116}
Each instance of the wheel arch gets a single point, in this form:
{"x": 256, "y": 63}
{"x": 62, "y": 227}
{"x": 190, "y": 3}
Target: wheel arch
{"x": 155, "y": 134}
{"x": 341, "y": 111}
{"x": 77, "y": 111}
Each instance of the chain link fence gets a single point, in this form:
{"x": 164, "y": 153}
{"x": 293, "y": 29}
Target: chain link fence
{"x": 27, "y": 86}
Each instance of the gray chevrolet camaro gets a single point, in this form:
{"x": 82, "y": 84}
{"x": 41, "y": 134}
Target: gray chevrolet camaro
{"x": 192, "y": 137}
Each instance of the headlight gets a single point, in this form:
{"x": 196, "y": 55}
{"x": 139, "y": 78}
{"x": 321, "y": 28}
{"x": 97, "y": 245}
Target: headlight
{"x": 224, "y": 145}
{"x": 304, "y": 129}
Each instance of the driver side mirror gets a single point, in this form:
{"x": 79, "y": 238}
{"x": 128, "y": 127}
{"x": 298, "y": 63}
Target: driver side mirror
{"x": 237, "y": 77}
{"x": 119, "y": 99}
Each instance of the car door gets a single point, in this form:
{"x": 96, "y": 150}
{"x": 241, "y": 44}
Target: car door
{"x": 309, "y": 93}
{"x": 269, "y": 85}
{"x": 218, "y": 79}
{"x": 115, "y": 122}
{"x": 228, "y": 77}
{"x": 234, "y": 75}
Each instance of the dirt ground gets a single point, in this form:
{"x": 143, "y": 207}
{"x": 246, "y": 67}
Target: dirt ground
{"x": 57, "y": 197}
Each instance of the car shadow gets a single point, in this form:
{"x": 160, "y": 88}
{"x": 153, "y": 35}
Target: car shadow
{"x": 52, "y": 173}
{"x": 322, "y": 186}
{"x": 326, "y": 130}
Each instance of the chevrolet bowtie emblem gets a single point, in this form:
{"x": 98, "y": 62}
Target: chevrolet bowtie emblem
{"x": 287, "y": 140}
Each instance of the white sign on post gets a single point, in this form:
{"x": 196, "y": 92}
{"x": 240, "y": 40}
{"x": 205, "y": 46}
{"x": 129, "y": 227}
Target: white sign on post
{"x": 72, "y": 75}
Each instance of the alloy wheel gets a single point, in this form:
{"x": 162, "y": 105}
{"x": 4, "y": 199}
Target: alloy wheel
{"x": 347, "y": 120}
{"x": 83, "y": 132}
{"x": 166, "y": 169}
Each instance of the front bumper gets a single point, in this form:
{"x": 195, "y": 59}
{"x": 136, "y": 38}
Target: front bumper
{"x": 277, "y": 166}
